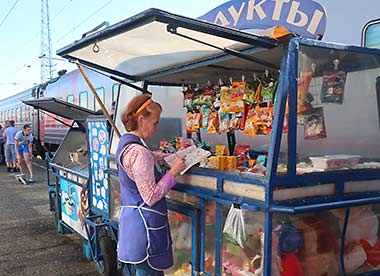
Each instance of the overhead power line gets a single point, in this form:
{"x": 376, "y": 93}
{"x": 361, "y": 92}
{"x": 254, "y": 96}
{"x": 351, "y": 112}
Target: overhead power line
{"x": 9, "y": 12}
{"x": 61, "y": 10}
{"x": 35, "y": 36}
{"x": 83, "y": 21}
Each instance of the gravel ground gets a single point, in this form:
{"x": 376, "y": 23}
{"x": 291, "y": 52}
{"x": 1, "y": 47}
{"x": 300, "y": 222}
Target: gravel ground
{"x": 30, "y": 244}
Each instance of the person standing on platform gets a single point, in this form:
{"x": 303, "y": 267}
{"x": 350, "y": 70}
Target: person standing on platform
{"x": 10, "y": 151}
{"x": 24, "y": 150}
{"x": 112, "y": 115}
{"x": 2, "y": 154}
{"x": 144, "y": 244}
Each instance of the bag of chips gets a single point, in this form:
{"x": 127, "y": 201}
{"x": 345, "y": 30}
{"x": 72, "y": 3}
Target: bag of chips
{"x": 224, "y": 122}
{"x": 213, "y": 123}
{"x": 303, "y": 103}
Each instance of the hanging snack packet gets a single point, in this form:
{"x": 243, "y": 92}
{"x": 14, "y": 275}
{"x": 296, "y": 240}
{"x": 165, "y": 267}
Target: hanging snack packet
{"x": 333, "y": 87}
{"x": 207, "y": 97}
{"x": 249, "y": 128}
{"x": 258, "y": 97}
{"x": 314, "y": 127}
{"x": 249, "y": 96}
{"x": 303, "y": 104}
{"x": 216, "y": 103}
{"x": 197, "y": 100}
{"x": 205, "y": 116}
{"x": 244, "y": 117}
{"x": 189, "y": 122}
{"x": 225, "y": 99}
{"x": 237, "y": 103}
{"x": 188, "y": 97}
{"x": 213, "y": 123}
{"x": 236, "y": 120}
{"x": 197, "y": 119}
{"x": 268, "y": 92}
{"x": 224, "y": 122}
{"x": 263, "y": 120}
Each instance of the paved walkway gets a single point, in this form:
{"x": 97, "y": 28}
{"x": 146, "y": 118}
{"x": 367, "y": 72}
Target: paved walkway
{"x": 30, "y": 244}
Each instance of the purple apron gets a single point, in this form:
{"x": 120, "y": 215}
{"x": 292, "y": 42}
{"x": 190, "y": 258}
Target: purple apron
{"x": 144, "y": 233}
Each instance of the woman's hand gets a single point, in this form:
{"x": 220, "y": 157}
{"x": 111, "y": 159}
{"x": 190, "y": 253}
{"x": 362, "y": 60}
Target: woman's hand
{"x": 178, "y": 166}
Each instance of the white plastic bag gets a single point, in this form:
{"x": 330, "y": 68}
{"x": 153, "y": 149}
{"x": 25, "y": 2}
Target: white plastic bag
{"x": 234, "y": 227}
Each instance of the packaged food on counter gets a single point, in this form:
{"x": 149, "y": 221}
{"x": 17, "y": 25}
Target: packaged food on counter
{"x": 338, "y": 161}
{"x": 231, "y": 163}
{"x": 217, "y": 162}
{"x": 221, "y": 150}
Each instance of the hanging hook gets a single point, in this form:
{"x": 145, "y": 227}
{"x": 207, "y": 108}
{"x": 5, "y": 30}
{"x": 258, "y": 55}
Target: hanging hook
{"x": 254, "y": 77}
{"x": 313, "y": 67}
{"x": 231, "y": 80}
{"x": 242, "y": 78}
{"x": 266, "y": 73}
{"x": 208, "y": 83}
{"x": 95, "y": 48}
{"x": 220, "y": 82}
{"x": 198, "y": 86}
{"x": 336, "y": 64}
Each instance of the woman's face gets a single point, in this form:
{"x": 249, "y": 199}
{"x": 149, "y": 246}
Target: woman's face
{"x": 148, "y": 125}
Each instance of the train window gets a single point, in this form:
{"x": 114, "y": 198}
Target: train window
{"x": 29, "y": 113}
{"x": 25, "y": 114}
{"x": 83, "y": 99}
{"x": 17, "y": 114}
{"x": 100, "y": 92}
{"x": 22, "y": 115}
{"x": 370, "y": 34}
{"x": 115, "y": 91}
{"x": 70, "y": 98}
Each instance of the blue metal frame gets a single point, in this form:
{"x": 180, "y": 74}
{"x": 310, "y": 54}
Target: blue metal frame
{"x": 194, "y": 214}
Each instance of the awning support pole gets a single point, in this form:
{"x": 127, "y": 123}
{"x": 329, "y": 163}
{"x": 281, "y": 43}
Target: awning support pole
{"x": 226, "y": 50}
{"x": 105, "y": 112}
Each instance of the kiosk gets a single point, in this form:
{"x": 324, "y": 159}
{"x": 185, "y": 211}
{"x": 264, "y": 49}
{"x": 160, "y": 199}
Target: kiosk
{"x": 313, "y": 209}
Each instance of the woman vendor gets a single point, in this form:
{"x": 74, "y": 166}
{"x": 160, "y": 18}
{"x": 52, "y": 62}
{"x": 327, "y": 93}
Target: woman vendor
{"x": 144, "y": 244}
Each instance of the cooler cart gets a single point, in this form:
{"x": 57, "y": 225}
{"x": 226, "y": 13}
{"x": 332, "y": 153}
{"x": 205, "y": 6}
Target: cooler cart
{"x": 73, "y": 188}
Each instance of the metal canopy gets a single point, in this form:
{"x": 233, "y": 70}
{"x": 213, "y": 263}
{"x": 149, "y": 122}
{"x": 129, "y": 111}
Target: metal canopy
{"x": 223, "y": 68}
{"x": 61, "y": 108}
{"x": 145, "y": 44}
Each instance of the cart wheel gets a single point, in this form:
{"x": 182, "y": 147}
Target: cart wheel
{"x": 86, "y": 248}
{"x": 108, "y": 266}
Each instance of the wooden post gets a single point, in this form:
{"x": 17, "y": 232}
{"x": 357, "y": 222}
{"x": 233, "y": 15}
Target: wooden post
{"x": 105, "y": 112}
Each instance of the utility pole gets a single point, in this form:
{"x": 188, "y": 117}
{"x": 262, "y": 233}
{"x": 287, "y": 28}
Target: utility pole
{"x": 45, "y": 54}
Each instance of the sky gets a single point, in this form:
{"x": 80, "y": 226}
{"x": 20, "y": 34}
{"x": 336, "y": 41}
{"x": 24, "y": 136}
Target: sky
{"x": 69, "y": 19}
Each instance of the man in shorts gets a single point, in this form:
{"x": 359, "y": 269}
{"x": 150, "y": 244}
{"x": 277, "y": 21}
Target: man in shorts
{"x": 10, "y": 151}
{"x": 24, "y": 150}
